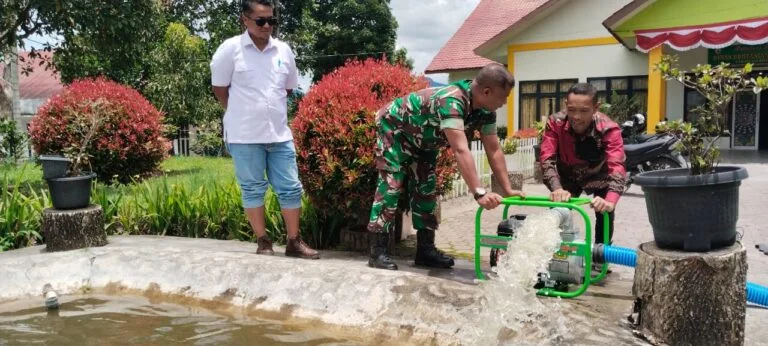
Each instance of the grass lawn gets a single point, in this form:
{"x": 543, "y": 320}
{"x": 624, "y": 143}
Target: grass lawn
{"x": 190, "y": 197}
{"x": 180, "y": 169}
{"x": 23, "y": 174}
{"x": 175, "y": 170}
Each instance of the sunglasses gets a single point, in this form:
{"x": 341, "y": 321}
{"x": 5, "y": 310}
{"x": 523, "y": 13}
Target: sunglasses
{"x": 261, "y": 21}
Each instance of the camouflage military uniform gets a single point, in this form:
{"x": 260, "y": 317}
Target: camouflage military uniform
{"x": 409, "y": 138}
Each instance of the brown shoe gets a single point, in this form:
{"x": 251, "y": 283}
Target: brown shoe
{"x": 265, "y": 246}
{"x": 298, "y": 248}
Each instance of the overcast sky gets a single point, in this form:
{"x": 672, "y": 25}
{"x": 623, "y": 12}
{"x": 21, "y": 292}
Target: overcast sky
{"x": 425, "y": 26}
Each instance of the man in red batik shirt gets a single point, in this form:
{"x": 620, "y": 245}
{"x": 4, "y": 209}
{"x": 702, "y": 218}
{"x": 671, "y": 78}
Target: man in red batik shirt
{"x": 582, "y": 150}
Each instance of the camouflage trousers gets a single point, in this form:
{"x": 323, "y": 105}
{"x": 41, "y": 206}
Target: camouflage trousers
{"x": 416, "y": 173}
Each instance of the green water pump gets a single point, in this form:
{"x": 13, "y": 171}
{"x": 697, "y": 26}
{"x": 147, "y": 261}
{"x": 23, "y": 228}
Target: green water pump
{"x": 564, "y": 268}
{"x": 569, "y": 266}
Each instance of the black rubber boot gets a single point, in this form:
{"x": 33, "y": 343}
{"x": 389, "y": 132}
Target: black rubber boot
{"x": 379, "y": 256}
{"x": 427, "y": 254}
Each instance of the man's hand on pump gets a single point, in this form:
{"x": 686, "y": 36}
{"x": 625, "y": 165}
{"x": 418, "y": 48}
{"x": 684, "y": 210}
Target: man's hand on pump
{"x": 513, "y": 193}
{"x": 600, "y": 205}
{"x": 492, "y": 200}
{"x": 489, "y": 200}
{"x": 560, "y": 195}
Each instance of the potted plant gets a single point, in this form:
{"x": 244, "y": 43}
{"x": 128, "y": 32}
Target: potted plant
{"x": 539, "y": 126}
{"x": 709, "y": 191}
{"x": 70, "y": 188}
{"x": 621, "y": 107}
{"x": 509, "y": 148}
{"x": 54, "y": 166}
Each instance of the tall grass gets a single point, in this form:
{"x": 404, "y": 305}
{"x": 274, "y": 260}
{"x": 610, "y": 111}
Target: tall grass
{"x": 193, "y": 197}
{"x": 202, "y": 208}
{"x": 20, "y": 211}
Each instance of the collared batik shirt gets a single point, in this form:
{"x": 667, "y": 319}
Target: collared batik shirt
{"x": 591, "y": 162}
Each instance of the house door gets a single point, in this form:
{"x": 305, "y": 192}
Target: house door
{"x": 746, "y": 120}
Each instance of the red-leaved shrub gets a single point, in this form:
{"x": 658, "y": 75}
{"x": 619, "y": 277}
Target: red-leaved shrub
{"x": 526, "y": 133}
{"x": 335, "y": 132}
{"x": 127, "y": 141}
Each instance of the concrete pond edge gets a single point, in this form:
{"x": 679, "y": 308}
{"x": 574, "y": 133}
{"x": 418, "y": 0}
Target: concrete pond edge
{"x": 384, "y": 305}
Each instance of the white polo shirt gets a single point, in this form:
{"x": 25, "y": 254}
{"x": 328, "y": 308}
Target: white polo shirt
{"x": 257, "y": 109}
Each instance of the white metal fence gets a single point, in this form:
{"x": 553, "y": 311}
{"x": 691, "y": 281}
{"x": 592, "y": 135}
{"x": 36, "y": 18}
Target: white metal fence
{"x": 181, "y": 146}
{"x": 521, "y": 161}
{"x": 524, "y": 158}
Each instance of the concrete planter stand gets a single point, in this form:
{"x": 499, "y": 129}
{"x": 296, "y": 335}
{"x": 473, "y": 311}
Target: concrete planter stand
{"x": 690, "y": 298}
{"x": 65, "y": 230}
{"x": 515, "y": 178}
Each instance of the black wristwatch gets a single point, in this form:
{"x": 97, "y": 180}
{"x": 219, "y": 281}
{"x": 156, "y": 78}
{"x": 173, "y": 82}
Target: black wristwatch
{"x": 479, "y": 193}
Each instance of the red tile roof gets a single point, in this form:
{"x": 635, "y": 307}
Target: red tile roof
{"x": 489, "y": 19}
{"x": 41, "y": 83}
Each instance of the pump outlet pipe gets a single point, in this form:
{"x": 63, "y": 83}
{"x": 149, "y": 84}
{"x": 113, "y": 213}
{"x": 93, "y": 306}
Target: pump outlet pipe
{"x": 756, "y": 294}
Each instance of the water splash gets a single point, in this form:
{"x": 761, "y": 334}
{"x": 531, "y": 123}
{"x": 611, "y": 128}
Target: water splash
{"x": 513, "y": 311}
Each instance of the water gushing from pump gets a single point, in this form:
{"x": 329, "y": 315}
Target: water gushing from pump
{"x": 513, "y": 309}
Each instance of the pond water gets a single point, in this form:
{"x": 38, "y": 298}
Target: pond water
{"x": 134, "y": 320}
{"x": 512, "y": 315}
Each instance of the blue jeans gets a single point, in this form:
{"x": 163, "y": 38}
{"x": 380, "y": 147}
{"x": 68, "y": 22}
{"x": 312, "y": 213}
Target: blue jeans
{"x": 278, "y": 160}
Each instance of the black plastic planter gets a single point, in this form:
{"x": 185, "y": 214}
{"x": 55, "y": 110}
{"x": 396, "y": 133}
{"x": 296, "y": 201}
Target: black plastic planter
{"x": 54, "y": 166}
{"x": 693, "y": 213}
{"x": 536, "y": 152}
{"x": 71, "y": 192}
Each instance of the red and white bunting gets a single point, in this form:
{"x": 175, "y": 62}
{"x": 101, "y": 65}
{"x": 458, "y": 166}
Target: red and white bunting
{"x": 714, "y": 36}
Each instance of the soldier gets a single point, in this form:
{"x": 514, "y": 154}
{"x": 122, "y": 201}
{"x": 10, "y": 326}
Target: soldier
{"x": 411, "y": 130}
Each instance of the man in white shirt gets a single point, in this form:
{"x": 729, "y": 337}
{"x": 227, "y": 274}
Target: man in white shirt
{"x": 252, "y": 74}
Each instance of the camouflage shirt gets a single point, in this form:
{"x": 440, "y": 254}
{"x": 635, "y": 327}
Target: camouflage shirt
{"x": 415, "y": 122}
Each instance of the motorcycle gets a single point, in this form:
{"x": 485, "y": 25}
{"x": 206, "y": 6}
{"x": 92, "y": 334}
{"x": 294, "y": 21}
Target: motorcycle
{"x": 645, "y": 153}
{"x": 633, "y": 131}
{"x": 631, "y": 128}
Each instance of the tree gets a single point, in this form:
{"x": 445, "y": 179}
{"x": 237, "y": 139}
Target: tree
{"x": 218, "y": 20}
{"x": 323, "y": 34}
{"x": 179, "y": 83}
{"x": 215, "y": 20}
{"x": 20, "y": 19}
{"x": 115, "y": 38}
{"x": 719, "y": 85}
{"x": 110, "y": 38}
{"x": 100, "y": 37}
{"x": 400, "y": 57}
{"x": 350, "y": 29}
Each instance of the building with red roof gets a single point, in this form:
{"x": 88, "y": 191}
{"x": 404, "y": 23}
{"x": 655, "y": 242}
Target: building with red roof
{"x": 35, "y": 87}
{"x": 39, "y": 85}
{"x": 489, "y": 19}
{"x": 551, "y": 44}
